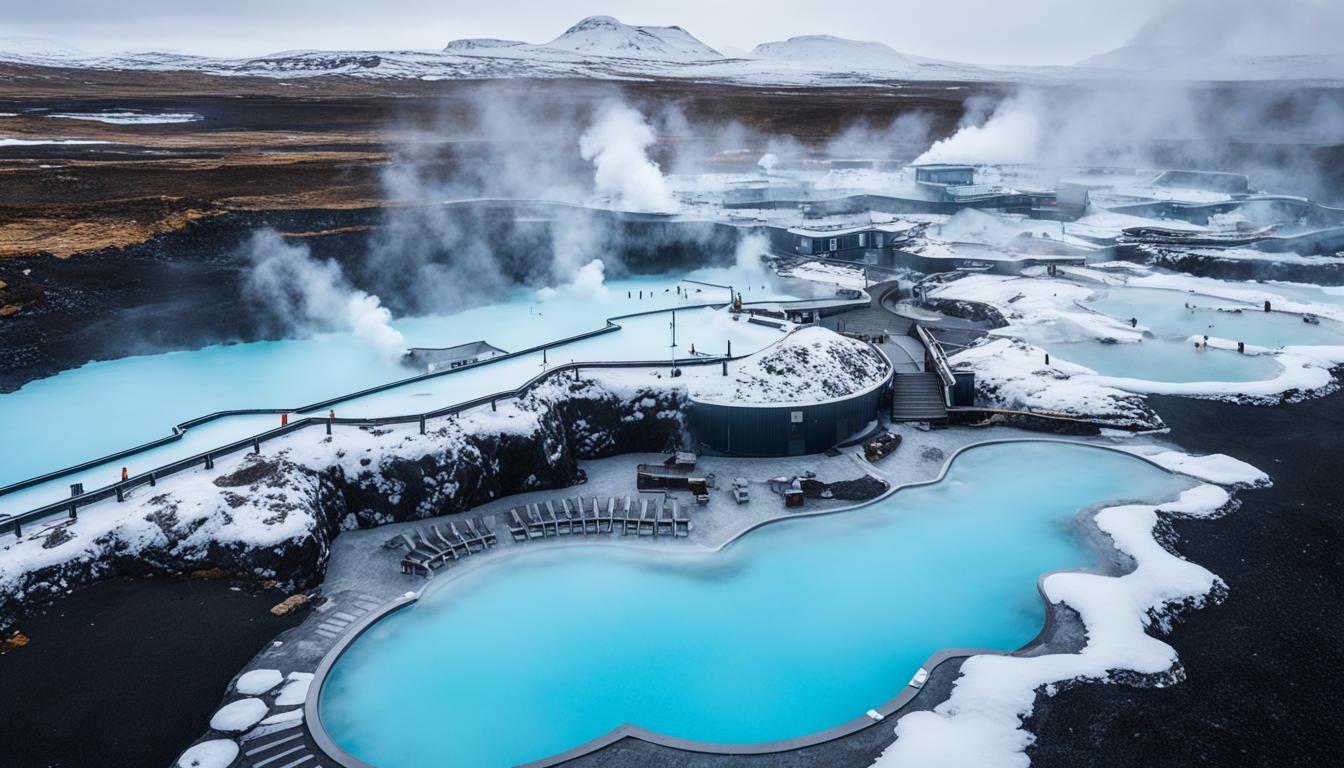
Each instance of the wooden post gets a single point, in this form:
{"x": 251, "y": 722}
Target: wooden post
{"x": 153, "y": 481}
{"x": 328, "y": 426}
{"x": 492, "y": 405}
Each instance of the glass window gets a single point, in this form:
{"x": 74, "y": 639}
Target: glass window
{"x": 834, "y": 243}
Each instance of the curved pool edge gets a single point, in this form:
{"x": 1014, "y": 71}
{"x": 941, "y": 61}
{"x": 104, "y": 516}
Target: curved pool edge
{"x": 312, "y": 720}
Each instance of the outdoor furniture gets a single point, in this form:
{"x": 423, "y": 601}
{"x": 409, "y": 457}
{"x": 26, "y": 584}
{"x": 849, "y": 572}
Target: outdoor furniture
{"x": 550, "y": 524}
{"x": 535, "y": 527}
{"x": 516, "y": 526}
{"x": 561, "y": 517}
{"x": 647, "y": 525}
{"x": 664, "y": 522}
{"x": 474, "y": 543}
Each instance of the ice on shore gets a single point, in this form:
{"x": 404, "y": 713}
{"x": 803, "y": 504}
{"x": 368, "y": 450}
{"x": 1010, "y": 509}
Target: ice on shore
{"x": 215, "y": 753}
{"x": 239, "y": 715}
{"x": 258, "y": 681}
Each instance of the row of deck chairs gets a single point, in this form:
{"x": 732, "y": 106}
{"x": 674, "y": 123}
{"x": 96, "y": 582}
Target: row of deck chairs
{"x": 427, "y": 551}
{"x": 650, "y": 518}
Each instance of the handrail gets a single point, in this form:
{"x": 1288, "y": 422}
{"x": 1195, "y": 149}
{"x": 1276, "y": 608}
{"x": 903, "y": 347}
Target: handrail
{"x": 610, "y": 326}
{"x": 936, "y": 352}
{"x": 152, "y": 476}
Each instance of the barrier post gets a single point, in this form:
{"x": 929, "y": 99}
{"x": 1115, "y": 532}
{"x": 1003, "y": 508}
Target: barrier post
{"x": 730, "y": 347}
{"x": 153, "y": 480}
{"x": 422, "y": 424}
{"x": 256, "y": 446}
{"x": 121, "y": 496}
{"x": 492, "y": 404}
{"x": 328, "y": 426}
{"x": 725, "y": 367}
{"x": 209, "y": 461}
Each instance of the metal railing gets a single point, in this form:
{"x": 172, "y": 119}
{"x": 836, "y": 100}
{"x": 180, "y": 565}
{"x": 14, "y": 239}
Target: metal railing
{"x": 936, "y": 353}
{"x": 14, "y": 523}
{"x": 71, "y": 504}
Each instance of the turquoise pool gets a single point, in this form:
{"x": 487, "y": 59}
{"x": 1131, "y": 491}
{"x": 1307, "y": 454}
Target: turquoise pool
{"x": 1166, "y": 314}
{"x": 1166, "y": 360}
{"x": 793, "y": 629}
{"x": 141, "y": 398}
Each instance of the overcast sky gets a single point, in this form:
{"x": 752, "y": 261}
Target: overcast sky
{"x": 979, "y": 31}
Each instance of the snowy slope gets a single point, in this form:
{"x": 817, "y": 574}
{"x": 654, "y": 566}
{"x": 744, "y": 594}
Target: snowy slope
{"x": 476, "y": 44}
{"x": 837, "y": 53}
{"x": 605, "y": 36}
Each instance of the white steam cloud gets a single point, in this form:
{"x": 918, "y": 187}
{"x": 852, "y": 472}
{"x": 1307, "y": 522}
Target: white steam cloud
{"x": 616, "y": 145}
{"x": 304, "y": 291}
{"x": 750, "y": 251}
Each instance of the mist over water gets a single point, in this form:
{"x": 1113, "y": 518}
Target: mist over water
{"x": 309, "y": 294}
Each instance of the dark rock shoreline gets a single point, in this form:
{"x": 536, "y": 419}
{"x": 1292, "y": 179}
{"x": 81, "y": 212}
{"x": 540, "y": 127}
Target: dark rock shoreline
{"x": 186, "y": 289}
{"x": 453, "y": 469}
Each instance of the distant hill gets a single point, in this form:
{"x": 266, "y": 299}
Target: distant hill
{"x": 828, "y": 52}
{"x": 605, "y": 36}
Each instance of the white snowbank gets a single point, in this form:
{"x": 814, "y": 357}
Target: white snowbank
{"x": 1013, "y": 374}
{"x": 239, "y": 715}
{"x": 258, "y": 681}
{"x": 295, "y": 691}
{"x": 130, "y": 118}
{"x": 216, "y": 753}
{"x": 981, "y": 722}
{"x": 810, "y": 365}
{"x": 1214, "y": 468}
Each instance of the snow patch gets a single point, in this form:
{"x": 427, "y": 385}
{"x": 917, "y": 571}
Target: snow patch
{"x": 239, "y": 715}
{"x": 216, "y": 753}
{"x": 258, "y": 681}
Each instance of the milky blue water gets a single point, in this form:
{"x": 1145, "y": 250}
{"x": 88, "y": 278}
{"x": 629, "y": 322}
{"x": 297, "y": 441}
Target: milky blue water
{"x": 1165, "y": 313}
{"x": 795, "y": 628}
{"x": 112, "y": 405}
{"x": 1166, "y": 360}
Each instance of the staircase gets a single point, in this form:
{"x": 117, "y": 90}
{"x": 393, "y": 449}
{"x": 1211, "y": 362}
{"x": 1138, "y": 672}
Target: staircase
{"x": 918, "y": 397}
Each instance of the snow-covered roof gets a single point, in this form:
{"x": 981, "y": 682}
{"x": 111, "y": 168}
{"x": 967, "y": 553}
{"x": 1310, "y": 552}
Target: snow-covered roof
{"x": 811, "y": 365}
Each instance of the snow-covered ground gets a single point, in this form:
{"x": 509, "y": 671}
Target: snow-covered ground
{"x": 980, "y": 724}
{"x": 1046, "y": 313}
{"x": 602, "y": 47}
{"x": 125, "y": 117}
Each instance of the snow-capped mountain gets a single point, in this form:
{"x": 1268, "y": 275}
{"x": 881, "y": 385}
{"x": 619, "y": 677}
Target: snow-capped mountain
{"x": 1191, "y": 63}
{"x": 838, "y": 53}
{"x": 605, "y": 36}
{"x": 474, "y": 44}
{"x": 601, "y": 47}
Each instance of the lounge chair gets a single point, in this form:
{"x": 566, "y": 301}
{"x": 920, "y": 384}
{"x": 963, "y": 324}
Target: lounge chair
{"x": 454, "y": 540}
{"x": 665, "y": 524}
{"x": 561, "y": 517}
{"x": 605, "y": 520}
{"x": 535, "y": 527}
{"x": 481, "y": 532}
{"x": 516, "y": 526}
{"x": 474, "y": 543}
{"x": 632, "y": 515}
{"x": 451, "y": 547}
{"x": 415, "y": 557}
{"x": 575, "y": 514}
{"x": 490, "y": 538}
{"x": 591, "y": 519}
{"x": 551, "y": 525}
{"x": 681, "y": 522}
{"x": 438, "y": 554}
{"x": 648, "y": 524}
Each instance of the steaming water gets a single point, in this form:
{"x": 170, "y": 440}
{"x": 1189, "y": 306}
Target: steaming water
{"x": 1166, "y": 360}
{"x": 1165, "y": 313}
{"x": 796, "y": 628}
{"x": 108, "y": 406}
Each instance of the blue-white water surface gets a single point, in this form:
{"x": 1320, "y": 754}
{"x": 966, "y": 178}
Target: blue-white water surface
{"x": 793, "y": 629}
{"x": 1165, "y": 313}
{"x": 112, "y": 405}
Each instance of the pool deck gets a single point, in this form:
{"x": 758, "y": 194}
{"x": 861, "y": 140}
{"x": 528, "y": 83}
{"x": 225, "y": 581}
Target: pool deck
{"x": 364, "y": 581}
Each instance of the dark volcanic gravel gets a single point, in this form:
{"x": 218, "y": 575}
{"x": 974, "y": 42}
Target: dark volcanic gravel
{"x": 1265, "y": 667}
{"x": 126, "y": 674}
